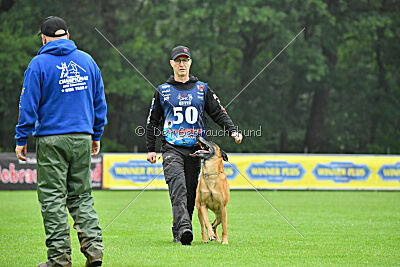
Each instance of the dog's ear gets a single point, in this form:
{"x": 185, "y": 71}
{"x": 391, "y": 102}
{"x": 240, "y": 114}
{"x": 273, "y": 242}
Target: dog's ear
{"x": 224, "y": 155}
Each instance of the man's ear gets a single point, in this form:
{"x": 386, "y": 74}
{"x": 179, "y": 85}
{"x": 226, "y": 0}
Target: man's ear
{"x": 224, "y": 155}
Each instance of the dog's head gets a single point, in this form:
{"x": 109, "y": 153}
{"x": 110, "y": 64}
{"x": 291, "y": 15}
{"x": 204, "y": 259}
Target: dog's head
{"x": 208, "y": 150}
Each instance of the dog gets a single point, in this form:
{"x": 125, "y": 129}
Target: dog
{"x": 212, "y": 191}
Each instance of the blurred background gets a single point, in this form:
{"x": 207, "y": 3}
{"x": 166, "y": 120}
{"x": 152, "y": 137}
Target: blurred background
{"x": 336, "y": 89}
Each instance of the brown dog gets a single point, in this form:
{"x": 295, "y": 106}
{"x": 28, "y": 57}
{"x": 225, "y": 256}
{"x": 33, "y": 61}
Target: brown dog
{"x": 212, "y": 190}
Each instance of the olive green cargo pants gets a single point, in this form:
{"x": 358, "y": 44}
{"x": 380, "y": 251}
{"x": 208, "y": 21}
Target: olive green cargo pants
{"x": 64, "y": 181}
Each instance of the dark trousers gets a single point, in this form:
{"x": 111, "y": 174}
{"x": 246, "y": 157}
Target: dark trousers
{"x": 181, "y": 174}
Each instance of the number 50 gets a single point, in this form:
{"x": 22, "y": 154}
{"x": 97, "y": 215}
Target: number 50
{"x": 191, "y": 115}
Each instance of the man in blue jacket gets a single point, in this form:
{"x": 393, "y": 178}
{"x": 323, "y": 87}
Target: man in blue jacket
{"x": 63, "y": 103}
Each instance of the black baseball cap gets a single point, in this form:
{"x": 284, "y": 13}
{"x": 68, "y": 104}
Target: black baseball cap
{"x": 180, "y": 51}
{"x": 52, "y": 24}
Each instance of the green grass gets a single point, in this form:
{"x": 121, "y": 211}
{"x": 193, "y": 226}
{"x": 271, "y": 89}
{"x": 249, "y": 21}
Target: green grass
{"x": 340, "y": 228}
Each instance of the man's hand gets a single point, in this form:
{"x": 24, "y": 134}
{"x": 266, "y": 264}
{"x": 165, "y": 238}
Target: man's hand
{"x": 21, "y": 152}
{"x": 95, "y": 147}
{"x": 151, "y": 157}
{"x": 238, "y": 137}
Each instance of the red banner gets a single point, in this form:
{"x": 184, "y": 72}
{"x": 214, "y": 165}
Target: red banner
{"x": 22, "y": 175}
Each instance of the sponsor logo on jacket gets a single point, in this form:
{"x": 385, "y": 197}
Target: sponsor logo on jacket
{"x": 71, "y": 78}
{"x": 185, "y": 99}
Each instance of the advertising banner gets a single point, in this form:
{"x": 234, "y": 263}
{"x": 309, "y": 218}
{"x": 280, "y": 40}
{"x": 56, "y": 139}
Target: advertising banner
{"x": 268, "y": 171}
{"x": 20, "y": 175}
{"x": 131, "y": 171}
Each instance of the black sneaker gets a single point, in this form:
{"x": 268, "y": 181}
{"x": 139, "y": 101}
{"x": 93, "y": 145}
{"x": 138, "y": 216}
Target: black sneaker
{"x": 187, "y": 237}
{"x": 94, "y": 263}
{"x": 49, "y": 264}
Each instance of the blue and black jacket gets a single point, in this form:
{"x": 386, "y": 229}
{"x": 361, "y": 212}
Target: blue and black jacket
{"x": 179, "y": 109}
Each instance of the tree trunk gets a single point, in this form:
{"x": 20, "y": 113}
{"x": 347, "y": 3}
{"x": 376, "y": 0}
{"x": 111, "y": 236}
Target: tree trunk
{"x": 381, "y": 86}
{"x": 249, "y": 54}
{"x": 316, "y": 124}
{"x": 283, "y": 143}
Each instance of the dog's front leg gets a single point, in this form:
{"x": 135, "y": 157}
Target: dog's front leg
{"x": 204, "y": 213}
{"x": 224, "y": 227}
{"x": 201, "y": 219}
{"x": 215, "y": 223}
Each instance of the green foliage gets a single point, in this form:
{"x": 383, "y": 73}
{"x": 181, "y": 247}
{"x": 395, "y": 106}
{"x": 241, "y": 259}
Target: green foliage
{"x": 348, "y": 51}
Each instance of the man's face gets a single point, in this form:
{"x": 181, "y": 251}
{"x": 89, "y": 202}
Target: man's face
{"x": 181, "y": 66}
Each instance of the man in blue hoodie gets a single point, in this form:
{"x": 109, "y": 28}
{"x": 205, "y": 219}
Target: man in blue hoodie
{"x": 63, "y": 103}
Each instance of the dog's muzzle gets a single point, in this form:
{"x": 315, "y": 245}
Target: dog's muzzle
{"x": 206, "y": 150}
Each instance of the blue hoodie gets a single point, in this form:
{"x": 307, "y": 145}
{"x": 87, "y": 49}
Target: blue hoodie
{"x": 63, "y": 92}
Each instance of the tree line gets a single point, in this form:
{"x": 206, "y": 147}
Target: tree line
{"x": 335, "y": 89}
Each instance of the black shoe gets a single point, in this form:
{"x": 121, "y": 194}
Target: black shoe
{"x": 49, "y": 264}
{"x": 97, "y": 262}
{"x": 187, "y": 237}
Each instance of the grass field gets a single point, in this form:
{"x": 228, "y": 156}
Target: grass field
{"x": 340, "y": 228}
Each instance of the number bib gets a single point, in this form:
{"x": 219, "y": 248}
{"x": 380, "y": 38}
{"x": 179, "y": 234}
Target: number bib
{"x": 183, "y": 113}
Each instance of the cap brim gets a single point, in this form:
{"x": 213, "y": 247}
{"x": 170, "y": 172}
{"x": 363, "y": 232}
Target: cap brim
{"x": 53, "y": 35}
{"x": 180, "y": 54}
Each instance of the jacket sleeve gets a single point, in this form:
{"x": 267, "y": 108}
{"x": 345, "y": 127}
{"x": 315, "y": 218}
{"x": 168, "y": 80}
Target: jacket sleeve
{"x": 28, "y": 106}
{"x": 153, "y": 121}
{"x": 217, "y": 112}
{"x": 100, "y": 107}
